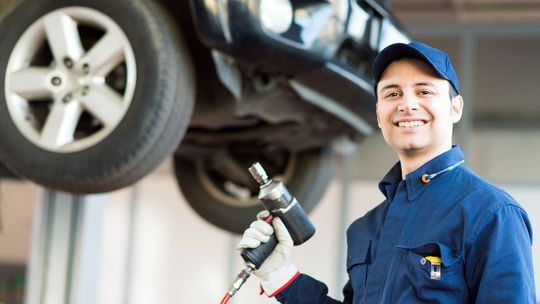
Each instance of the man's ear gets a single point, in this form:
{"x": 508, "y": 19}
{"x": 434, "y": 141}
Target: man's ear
{"x": 457, "y": 108}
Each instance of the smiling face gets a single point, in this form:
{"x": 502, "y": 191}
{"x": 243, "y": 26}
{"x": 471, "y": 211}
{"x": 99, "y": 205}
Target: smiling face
{"x": 414, "y": 110}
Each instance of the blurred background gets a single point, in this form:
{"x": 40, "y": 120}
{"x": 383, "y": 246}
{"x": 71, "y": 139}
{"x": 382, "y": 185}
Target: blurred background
{"x": 145, "y": 245}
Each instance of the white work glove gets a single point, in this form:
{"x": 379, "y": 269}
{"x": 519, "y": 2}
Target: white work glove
{"x": 277, "y": 271}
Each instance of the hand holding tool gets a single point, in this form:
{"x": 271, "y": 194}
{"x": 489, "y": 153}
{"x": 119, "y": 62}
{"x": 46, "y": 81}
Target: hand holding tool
{"x": 295, "y": 223}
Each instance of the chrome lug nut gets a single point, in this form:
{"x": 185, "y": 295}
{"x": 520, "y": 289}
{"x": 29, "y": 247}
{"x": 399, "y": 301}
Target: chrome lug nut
{"x": 68, "y": 62}
{"x": 86, "y": 68}
{"x": 67, "y": 98}
{"x": 85, "y": 90}
{"x": 56, "y": 81}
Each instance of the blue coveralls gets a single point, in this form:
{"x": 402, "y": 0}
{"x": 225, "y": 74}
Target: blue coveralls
{"x": 481, "y": 234}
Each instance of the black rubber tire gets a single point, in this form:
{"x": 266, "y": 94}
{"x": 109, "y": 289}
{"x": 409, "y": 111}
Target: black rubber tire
{"x": 5, "y": 173}
{"x": 310, "y": 177}
{"x": 154, "y": 124}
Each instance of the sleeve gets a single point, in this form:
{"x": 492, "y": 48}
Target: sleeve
{"x": 306, "y": 289}
{"x": 499, "y": 263}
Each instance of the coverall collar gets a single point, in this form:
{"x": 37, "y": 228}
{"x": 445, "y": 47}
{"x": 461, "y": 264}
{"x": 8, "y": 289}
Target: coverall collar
{"x": 415, "y": 186}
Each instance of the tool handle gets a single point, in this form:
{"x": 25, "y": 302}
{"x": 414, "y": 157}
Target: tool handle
{"x": 256, "y": 256}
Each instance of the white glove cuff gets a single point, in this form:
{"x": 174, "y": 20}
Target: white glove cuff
{"x": 279, "y": 280}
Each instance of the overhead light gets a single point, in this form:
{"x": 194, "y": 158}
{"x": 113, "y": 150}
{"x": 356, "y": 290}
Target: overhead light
{"x": 276, "y": 15}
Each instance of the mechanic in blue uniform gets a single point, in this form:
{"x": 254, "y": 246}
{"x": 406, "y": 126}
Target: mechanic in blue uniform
{"x": 443, "y": 234}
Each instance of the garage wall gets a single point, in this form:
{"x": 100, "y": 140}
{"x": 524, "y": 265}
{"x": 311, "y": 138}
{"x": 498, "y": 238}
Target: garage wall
{"x": 17, "y": 201}
{"x": 500, "y": 155}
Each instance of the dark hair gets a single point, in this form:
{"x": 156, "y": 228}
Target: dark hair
{"x": 452, "y": 92}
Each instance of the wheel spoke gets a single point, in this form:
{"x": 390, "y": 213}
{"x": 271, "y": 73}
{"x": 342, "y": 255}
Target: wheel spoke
{"x": 63, "y": 37}
{"x": 61, "y": 124}
{"x": 104, "y": 103}
{"x": 106, "y": 54}
{"x": 30, "y": 83}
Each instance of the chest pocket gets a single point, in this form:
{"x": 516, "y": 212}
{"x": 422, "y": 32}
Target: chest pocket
{"x": 358, "y": 260}
{"x": 417, "y": 275}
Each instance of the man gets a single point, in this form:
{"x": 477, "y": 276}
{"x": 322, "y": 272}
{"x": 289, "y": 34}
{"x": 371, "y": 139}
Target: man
{"x": 443, "y": 234}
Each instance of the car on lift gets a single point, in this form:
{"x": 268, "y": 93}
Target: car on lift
{"x": 97, "y": 93}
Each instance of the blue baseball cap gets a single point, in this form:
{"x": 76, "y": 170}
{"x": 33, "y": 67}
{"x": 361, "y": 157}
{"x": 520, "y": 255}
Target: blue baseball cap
{"x": 437, "y": 59}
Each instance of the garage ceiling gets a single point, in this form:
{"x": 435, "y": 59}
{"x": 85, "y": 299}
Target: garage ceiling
{"x": 467, "y": 11}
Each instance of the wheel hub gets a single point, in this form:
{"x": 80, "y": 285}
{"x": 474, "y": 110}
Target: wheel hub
{"x": 73, "y": 85}
{"x": 68, "y": 84}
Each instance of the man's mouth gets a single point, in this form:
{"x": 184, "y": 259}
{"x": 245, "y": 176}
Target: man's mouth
{"x": 410, "y": 124}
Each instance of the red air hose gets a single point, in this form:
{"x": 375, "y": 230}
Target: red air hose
{"x": 225, "y": 299}
{"x": 242, "y": 277}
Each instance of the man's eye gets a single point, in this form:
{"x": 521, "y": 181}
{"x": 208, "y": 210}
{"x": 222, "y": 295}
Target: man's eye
{"x": 391, "y": 95}
{"x": 425, "y": 92}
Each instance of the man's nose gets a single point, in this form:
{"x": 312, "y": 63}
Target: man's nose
{"x": 408, "y": 103}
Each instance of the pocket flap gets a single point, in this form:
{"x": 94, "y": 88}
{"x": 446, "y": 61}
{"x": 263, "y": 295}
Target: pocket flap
{"x": 448, "y": 256}
{"x": 358, "y": 253}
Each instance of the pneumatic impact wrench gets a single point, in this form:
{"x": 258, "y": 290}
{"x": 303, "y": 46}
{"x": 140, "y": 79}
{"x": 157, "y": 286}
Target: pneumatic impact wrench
{"x": 275, "y": 198}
